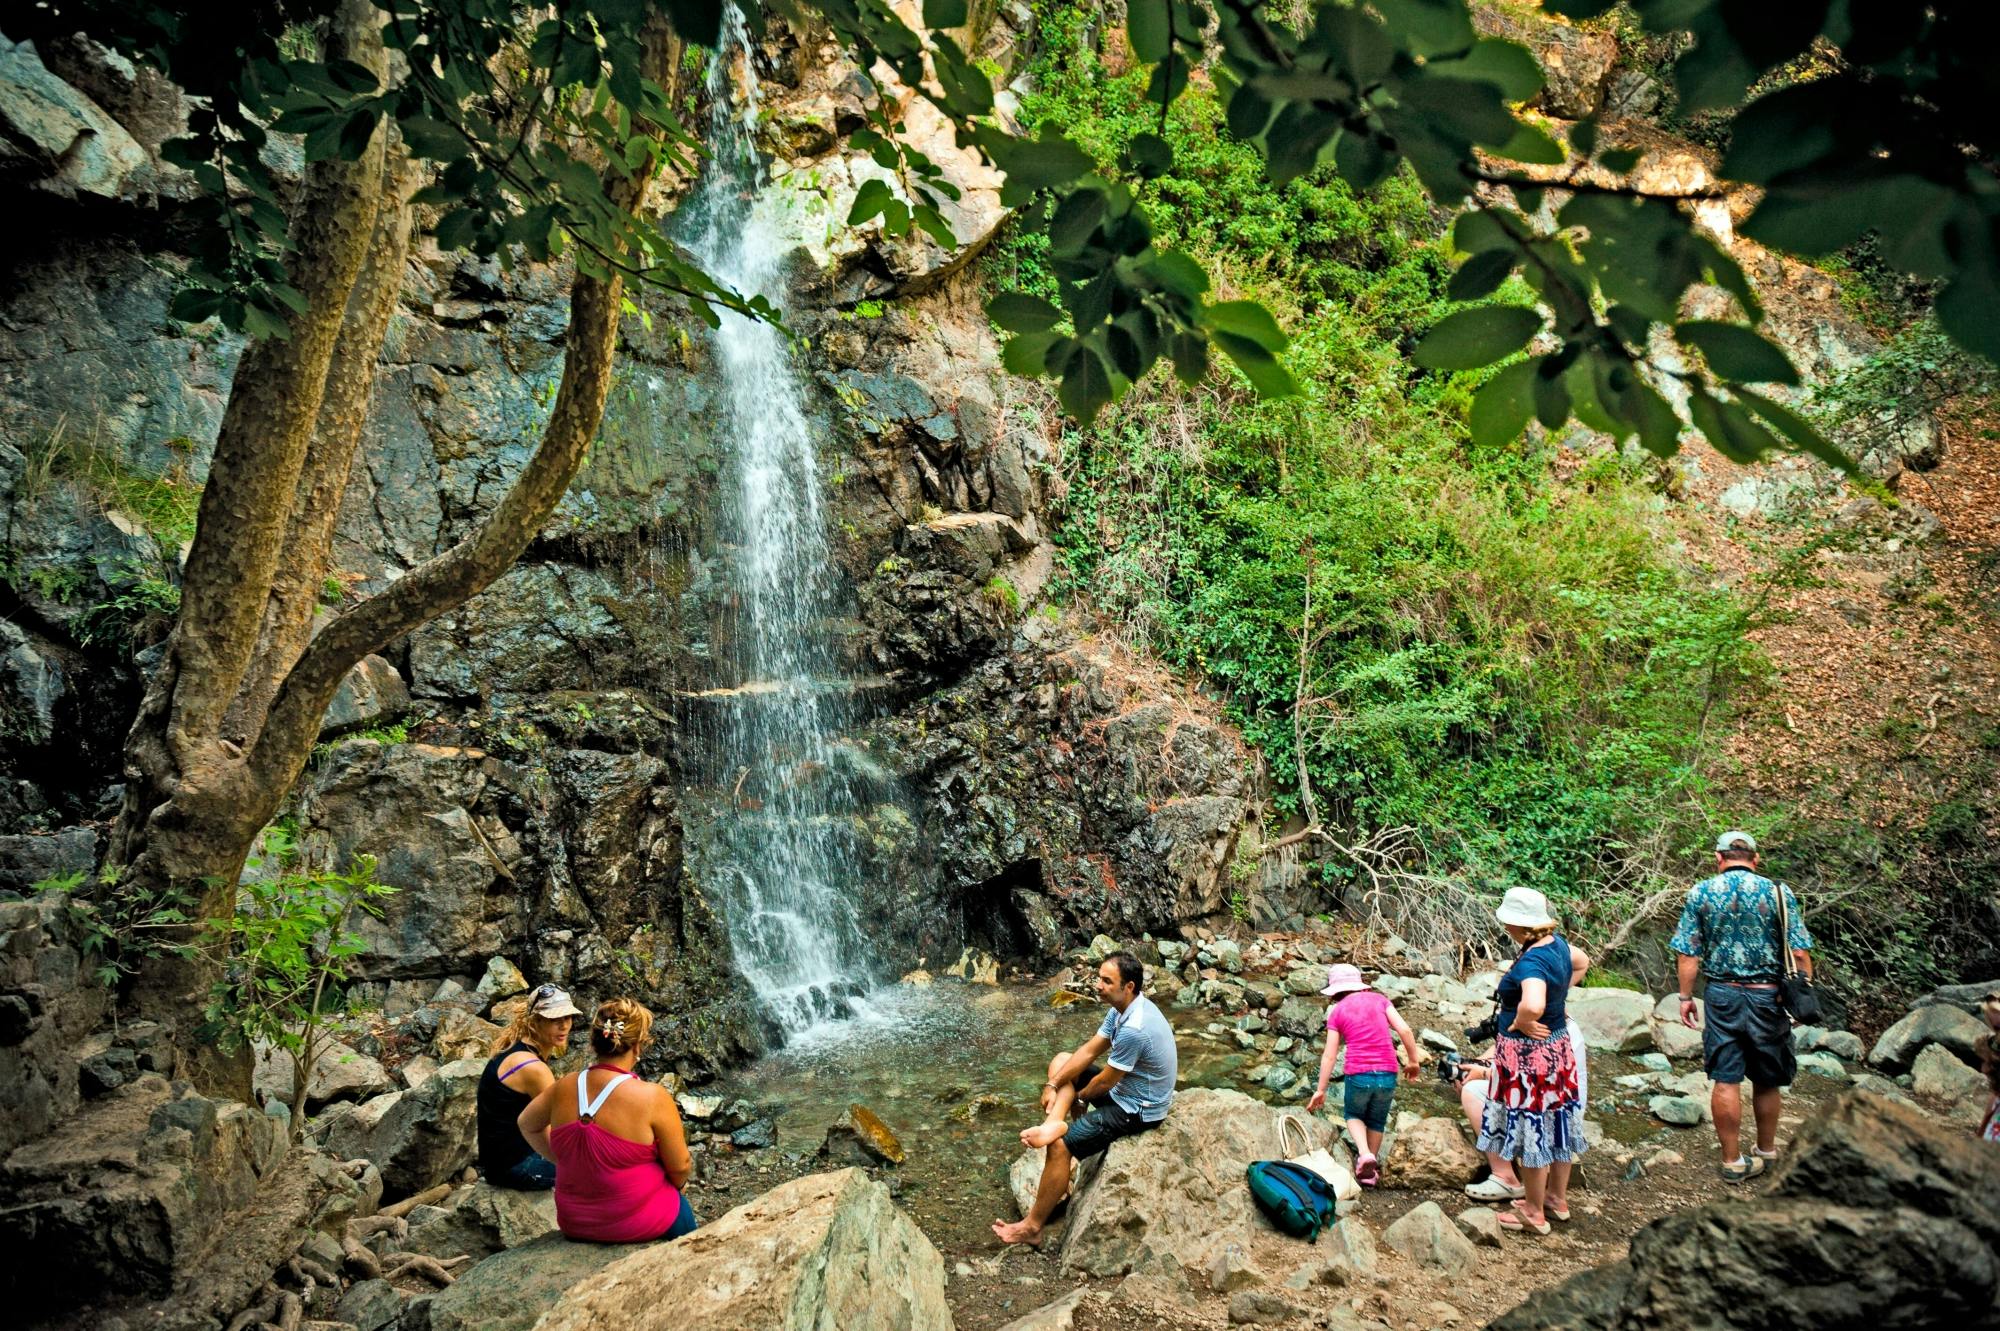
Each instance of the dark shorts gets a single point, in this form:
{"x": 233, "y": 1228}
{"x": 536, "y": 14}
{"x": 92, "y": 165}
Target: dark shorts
{"x": 1746, "y": 1036}
{"x": 1102, "y": 1124}
{"x": 1368, "y": 1097}
{"x": 684, "y": 1223}
{"x": 530, "y": 1175}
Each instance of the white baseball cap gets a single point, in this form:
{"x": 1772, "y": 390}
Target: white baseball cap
{"x": 1729, "y": 841}
{"x": 553, "y": 1001}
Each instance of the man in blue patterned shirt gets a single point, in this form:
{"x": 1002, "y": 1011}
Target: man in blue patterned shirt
{"x": 1729, "y": 936}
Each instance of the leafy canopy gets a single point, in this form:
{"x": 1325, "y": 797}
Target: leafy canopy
{"x": 517, "y": 107}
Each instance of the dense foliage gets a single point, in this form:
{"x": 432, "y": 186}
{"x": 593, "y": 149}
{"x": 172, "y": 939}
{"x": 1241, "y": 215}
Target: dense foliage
{"x": 1509, "y": 664}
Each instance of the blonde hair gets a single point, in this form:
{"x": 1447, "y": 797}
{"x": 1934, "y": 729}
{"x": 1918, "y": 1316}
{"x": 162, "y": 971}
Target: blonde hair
{"x": 621, "y": 1024}
{"x": 1541, "y": 933}
{"x": 529, "y": 1029}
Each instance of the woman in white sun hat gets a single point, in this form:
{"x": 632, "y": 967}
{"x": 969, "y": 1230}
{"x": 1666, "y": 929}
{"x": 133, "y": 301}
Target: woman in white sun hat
{"x": 1534, "y": 1107}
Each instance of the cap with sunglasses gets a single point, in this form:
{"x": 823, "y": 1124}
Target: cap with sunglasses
{"x": 553, "y": 1001}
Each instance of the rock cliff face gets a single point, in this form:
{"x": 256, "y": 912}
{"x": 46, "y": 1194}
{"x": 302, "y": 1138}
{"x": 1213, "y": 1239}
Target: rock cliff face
{"x": 536, "y": 768}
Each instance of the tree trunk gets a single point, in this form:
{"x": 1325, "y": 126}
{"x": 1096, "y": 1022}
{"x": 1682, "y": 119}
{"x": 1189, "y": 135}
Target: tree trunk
{"x": 230, "y": 717}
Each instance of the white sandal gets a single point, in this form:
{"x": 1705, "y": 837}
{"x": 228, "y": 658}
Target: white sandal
{"x": 1490, "y": 1189}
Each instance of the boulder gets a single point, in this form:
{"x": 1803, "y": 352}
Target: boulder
{"x": 1344, "y": 1255}
{"x": 481, "y": 1220}
{"x": 824, "y": 1251}
{"x": 1260, "y": 1307}
{"x": 339, "y": 1073}
{"x": 372, "y": 694}
{"x": 503, "y": 980}
{"x": 1822, "y": 1064}
{"x": 1576, "y": 62}
{"x": 57, "y": 138}
{"x": 1935, "y": 1023}
{"x": 1878, "y": 1217}
{"x": 1431, "y": 1153}
{"x": 1680, "y": 1110}
{"x": 369, "y": 1305}
{"x": 49, "y": 1003}
{"x": 1178, "y": 1190}
{"x": 461, "y": 1035}
{"x": 1939, "y": 1074}
{"x": 1428, "y": 1237}
{"x": 1669, "y": 1036}
{"x": 1844, "y": 1045}
{"x": 1962, "y": 996}
{"x": 1304, "y": 980}
{"x": 1481, "y": 1224}
{"x": 1617, "y": 1021}
{"x": 416, "y": 1137}
{"x": 155, "y": 1193}
{"x": 511, "y": 1290}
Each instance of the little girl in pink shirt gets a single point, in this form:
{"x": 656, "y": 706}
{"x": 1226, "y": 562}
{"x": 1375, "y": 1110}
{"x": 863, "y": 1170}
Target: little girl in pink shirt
{"x": 1365, "y": 1020}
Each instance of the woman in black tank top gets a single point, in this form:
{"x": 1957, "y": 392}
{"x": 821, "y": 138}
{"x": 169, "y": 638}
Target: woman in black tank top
{"x": 516, "y": 1073}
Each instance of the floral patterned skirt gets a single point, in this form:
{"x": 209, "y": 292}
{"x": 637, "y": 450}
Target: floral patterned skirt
{"x": 1534, "y": 1108}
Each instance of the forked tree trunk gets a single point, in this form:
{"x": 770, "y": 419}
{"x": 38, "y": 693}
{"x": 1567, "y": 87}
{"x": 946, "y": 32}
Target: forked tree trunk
{"x": 230, "y": 717}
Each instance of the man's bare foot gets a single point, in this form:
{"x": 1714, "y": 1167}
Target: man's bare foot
{"x": 1021, "y": 1231}
{"x": 1044, "y": 1134}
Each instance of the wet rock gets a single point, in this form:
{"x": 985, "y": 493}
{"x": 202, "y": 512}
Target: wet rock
{"x": 1952, "y": 1027}
{"x": 757, "y": 1135}
{"x": 416, "y": 1137}
{"x": 975, "y": 966}
{"x": 1176, "y": 1191}
{"x": 860, "y": 1137}
{"x": 826, "y": 1250}
{"x": 1613, "y": 1020}
{"x": 1679, "y": 1110}
{"x": 1427, "y": 1237}
{"x": 1877, "y": 1217}
{"x": 1431, "y": 1153}
{"x": 339, "y": 1073}
{"x": 372, "y": 694}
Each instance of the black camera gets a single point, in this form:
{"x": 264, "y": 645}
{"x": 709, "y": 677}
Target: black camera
{"x": 1485, "y": 1030}
{"x": 1453, "y": 1068}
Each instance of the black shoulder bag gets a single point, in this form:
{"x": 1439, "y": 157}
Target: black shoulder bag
{"x": 1795, "y": 988}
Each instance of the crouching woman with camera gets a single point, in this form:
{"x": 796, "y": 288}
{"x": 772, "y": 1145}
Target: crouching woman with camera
{"x": 1534, "y": 1108}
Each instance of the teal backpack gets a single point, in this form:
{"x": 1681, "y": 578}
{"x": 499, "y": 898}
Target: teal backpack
{"x": 1298, "y": 1201}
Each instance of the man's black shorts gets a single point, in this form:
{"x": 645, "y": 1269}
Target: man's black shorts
{"x": 1747, "y": 1036}
{"x": 1102, "y": 1123}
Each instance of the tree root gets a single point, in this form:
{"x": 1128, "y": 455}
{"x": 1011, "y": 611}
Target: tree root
{"x": 428, "y": 1197}
{"x": 430, "y": 1268}
{"x": 291, "y": 1311}
{"x": 395, "y": 1226}
{"x": 255, "y": 1314}
{"x": 360, "y": 1261}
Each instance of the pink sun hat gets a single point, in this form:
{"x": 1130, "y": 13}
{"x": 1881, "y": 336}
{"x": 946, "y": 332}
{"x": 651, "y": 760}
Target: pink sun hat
{"x": 1343, "y": 979}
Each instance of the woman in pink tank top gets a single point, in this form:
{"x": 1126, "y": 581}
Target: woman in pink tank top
{"x": 620, "y": 1151}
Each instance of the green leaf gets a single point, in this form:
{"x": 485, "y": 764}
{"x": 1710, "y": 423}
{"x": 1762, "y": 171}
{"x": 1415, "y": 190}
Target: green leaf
{"x": 1532, "y": 146}
{"x": 1728, "y": 429}
{"x": 1502, "y": 407}
{"x": 1620, "y": 160}
{"x": 1019, "y": 312}
{"x": 1480, "y": 276}
{"x": 1149, "y": 157}
{"x": 870, "y": 201}
{"x": 1032, "y": 164}
{"x": 1147, "y": 24}
{"x": 195, "y": 304}
{"x": 1176, "y": 272}
{"x": 1508, "y": 66}
{"x": 1259, "y": 366}
{"x": 1027, "y": 355}
{"x": 945, "y": 13}
{"x": 1472, "y": 338}
{"x": 1735, "y": 353}
{"x": 1248, "y": 320}
{"x": 1086, "y": 384}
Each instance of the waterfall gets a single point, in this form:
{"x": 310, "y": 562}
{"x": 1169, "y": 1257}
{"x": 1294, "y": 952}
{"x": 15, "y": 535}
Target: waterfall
{"x": 788, "y": 870}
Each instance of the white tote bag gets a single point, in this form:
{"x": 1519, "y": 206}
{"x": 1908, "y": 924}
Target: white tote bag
{"x": 1293, "y": 1137}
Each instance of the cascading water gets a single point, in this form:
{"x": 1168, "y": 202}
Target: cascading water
{"x": 787, "y": 869}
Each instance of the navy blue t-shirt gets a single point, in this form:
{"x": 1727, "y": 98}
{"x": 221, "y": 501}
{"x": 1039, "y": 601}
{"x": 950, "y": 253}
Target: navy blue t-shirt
{"x": 1548, "y": 962}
